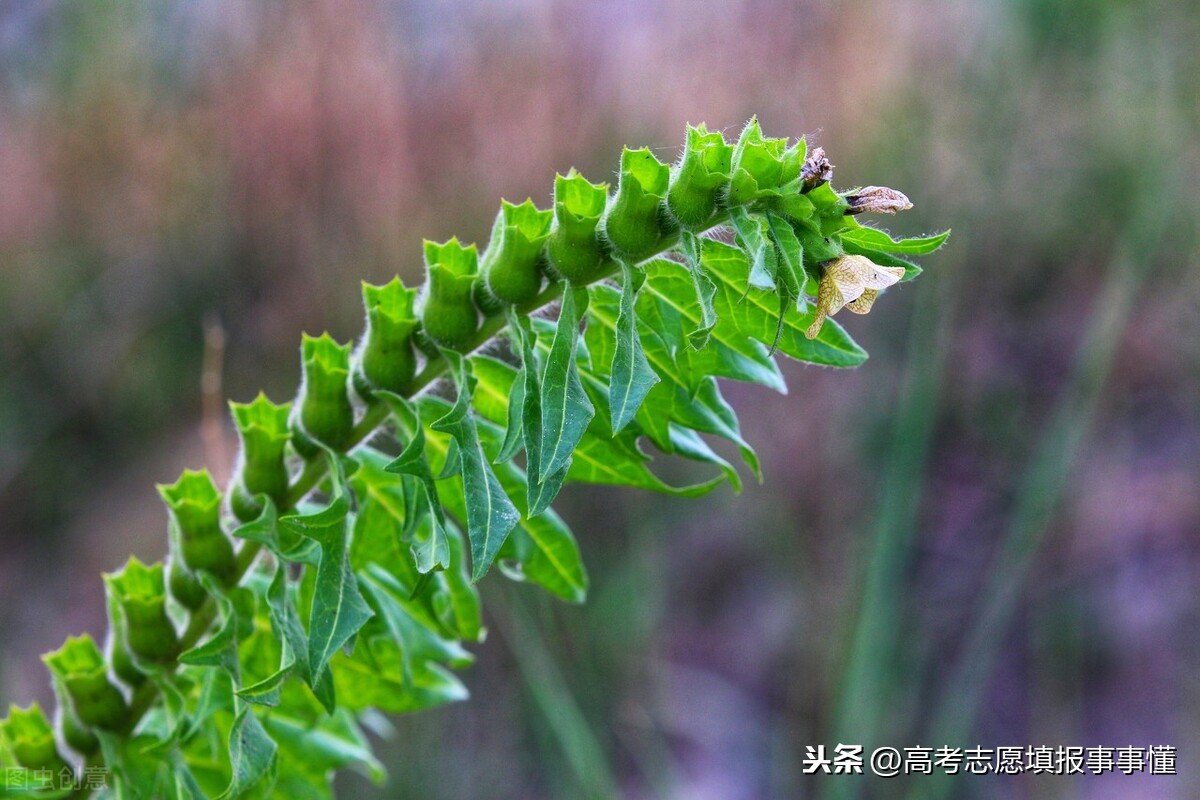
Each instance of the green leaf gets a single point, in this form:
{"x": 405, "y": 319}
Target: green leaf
{"x": 252, "y": 755}
{"x": 754, "y": 312}
{"x": 220, "y": 649}
{"x": 632, "y": 376}
{"x": 408, "y": 623}
{"x": 566, "y": 409}
{"x": 431, "y": 551}
{"x": 752, "y": 231}
{"x": 336, "y": 743}
{"x": 490, "y": 514}
{"x": 666, "y": 311}
{"x": 689, "y": 444}
{"x": 601, "y": 457}
{"x": 338, "y": 610}
{"x": 879, "y": 240}
{"x": 549, "y": 553}
{"x": 704, "y": 289}
{"x": 284, "y": 542}
{"x": 266, "y": 691}
{"x": 883, "y": 259}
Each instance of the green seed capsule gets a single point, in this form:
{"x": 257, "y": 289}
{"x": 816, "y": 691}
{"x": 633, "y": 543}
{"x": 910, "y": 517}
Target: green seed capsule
{"x": 30, "y": 738}
{"x": 635, "y": 223}
{"x": 79, "y": 668}
{"x": 448, "y": 312}
{"x": 574, "y": 249}
{"x": 324, "y": 412}
{"x": 510, "y": 265}
{"x": 184, "y": 585}
{"x": 262, "y": 427}
{"x": 763, "y": 166}
{"x": 117, "y": 647}
{"x": 77, "y": 737}
{"x": 195, "y": 507}
{"x": 699, "y": 178}
{"x": 140, "y": 591}
{"x": 385, "y": 358}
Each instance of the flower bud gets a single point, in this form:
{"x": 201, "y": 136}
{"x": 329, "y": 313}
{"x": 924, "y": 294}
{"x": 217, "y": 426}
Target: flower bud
{"x": 877, "y": 199}
{"x": 574, "y": 249}
{"x": 699, "y": 178}
{"x": 30, "y": 738}
{"x": 195, "y": 507}
{"x": 141, "y": 593}
{"x": 80, "y": 669}
{"x": 447, "y": 307}
{"x": 762, "y": 166}
{"x": 324, "y": 412}
{"x": 262, "y": 427}
{"x": 385, "y": 358}
{"x": 511, "y": 267}
{"x": 635, "y": 220}
{"x": 853, "y": 282}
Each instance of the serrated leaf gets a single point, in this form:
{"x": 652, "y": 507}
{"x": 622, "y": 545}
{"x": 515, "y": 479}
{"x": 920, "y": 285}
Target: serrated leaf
{"x": 566, "y": 409}
{"x": 552, "y": 557}
{"x": 414, "y": 630}
{"x": 252, "y": 756}
{"x": 704, "y": 289}
{"x": 542, "y": 488}
{"x": 665, "y": 313}
{"x": 266, "y": 692}
{"x": 880, "y": 240}
{"x": 632, "y": 377}
{"x": 490, "y": 513}
{"x": 335, "y": 743}
{"x": 751, "y": 230}
{"x": 220, "y": 649}
{"x": 338, "y": 610}
{"x": 283, "y": 542}
{"x": 601, "y": 457}
{"x": 883, "y": 259}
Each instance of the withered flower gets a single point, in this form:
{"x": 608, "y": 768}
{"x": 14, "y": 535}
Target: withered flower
{"x": 878, "y": 199}
{"x": 816, "y": 170}
{"x": 853, "y": 282}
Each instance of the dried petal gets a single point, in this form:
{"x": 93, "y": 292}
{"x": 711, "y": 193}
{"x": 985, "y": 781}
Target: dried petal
{"x": 878, "y": 199}
{"x": 816, "y": 170}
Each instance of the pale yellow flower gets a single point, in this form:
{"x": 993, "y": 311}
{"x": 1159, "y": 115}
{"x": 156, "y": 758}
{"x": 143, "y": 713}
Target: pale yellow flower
{"x": 853, "y": 282}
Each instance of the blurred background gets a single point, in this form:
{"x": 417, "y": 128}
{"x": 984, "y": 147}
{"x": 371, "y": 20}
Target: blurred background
{"x": 989, "y": 534}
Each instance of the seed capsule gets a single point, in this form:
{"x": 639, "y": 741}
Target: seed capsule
{"x": 262, "y": 427}
{"x": 30, "y": 738}
{"x": 185, "y": 587}
{"x": 447, "y": 308}
{"x": 141, "y": 593}
{"x": 195, "y": 507}
{"x": 79, "y": 668}
{"x": 78, "y": 738}
{"x": 699, "y": 178}
{"x": 511, "y": 264}
{"x": 635, "y": 223}
{"x": 763, "y": 166}
{"x": 574, "y": 249}
{"x": 324, "y": 412}
{"x": 385, "y": 358}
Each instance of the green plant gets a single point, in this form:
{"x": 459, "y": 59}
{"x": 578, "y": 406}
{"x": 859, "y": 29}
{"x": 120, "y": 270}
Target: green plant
{"x": 244, "y": 671}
